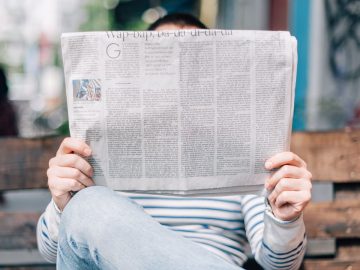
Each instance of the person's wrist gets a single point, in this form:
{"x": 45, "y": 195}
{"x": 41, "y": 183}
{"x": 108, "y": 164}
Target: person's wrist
{"x": 61, "y": 202}
{"x": 57, "y": 209}
{"x": 286, "y": 219}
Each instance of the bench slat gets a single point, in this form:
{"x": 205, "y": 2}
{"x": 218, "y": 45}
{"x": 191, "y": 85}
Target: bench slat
{"x": 18, "y": 230}
{"x": 23, "y": 162}
{"x": 331, "y": 156}
{"x": 337, "y": 219}
{"x": 23, "y": 259}
{"x": 331, "y": 264}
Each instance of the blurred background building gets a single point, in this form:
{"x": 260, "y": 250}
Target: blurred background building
{"x": 328, "y": 33}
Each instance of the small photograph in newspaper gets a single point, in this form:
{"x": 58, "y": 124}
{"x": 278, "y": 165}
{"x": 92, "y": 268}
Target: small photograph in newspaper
{"x": 86, "y": 89}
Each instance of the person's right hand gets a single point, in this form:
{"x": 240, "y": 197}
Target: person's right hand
{"x": 69, "y": 171}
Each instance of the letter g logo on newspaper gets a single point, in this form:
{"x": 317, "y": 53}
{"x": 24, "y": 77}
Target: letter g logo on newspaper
{"x": 113, "y": 50}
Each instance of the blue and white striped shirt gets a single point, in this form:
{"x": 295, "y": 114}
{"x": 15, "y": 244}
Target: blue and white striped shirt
{"x": 223, "y": 225}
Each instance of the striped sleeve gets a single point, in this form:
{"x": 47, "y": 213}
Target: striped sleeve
{"x": 275, "y": 244}
{"x": 47, "y": 232}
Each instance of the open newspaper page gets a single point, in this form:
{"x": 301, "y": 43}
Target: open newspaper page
{"x": 188, "y": 112}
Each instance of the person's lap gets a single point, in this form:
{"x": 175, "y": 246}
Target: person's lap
{"x": 101, "y": 229}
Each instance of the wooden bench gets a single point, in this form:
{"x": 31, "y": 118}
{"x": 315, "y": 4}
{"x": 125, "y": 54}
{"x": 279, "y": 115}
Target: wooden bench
{"x": 332, "y": 219}
{"x": 23, "y": 165}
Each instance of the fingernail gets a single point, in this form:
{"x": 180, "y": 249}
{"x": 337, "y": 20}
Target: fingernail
{"x": 268, "y": 164}
{"x": 87, "y": 151}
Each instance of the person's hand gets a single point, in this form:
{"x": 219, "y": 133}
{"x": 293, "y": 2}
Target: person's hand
{"x": 290, "y": 185}
{"x": 69, "y": 171}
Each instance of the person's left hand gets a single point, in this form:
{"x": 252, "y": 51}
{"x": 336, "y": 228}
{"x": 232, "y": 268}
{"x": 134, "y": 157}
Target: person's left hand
{"x": 290, "y": 185}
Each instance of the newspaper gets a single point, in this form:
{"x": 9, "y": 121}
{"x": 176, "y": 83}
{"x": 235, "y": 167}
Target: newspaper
{"x": 186, "y": 112}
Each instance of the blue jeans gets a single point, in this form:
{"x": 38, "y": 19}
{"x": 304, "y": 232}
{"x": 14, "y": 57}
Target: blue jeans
{"x": 101, "y": 229}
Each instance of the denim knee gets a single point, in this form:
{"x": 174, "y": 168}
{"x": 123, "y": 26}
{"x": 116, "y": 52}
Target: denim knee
{"x": 92, "y": 209}
{"x": 86, "y": 200}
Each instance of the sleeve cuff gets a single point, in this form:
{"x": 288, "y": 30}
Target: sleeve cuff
{"x": 280, "y": 235}
{"x": 58, "y": 211}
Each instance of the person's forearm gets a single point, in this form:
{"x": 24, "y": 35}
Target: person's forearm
{"x": 47, "y": 232}
{"x": 283, "y": 244}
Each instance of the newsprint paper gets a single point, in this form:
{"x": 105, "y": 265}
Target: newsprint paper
{"x": 186, "y": 112}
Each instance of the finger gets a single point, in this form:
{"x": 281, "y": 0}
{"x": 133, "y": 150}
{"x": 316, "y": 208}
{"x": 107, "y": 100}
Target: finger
{"x": 73, "y": 145}
{"x": 73, "y": 161}
{"x": 289, "y": 184}
{"x": 293, "y": 197}
{"x": 283, "y": 159}
{"x": 59, "y": 186}
{"x": 72, "y": 173}
{"x": 287, "y": 171}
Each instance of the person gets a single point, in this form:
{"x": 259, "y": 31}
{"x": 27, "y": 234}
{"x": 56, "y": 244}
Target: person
{"x": 8, "y": 119}
{"x": 101, "y": 229}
